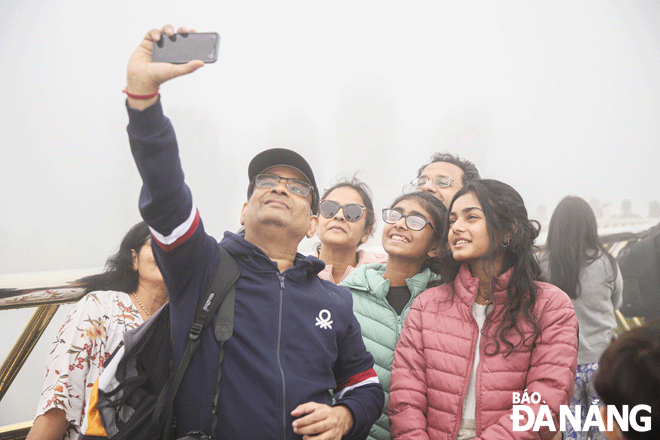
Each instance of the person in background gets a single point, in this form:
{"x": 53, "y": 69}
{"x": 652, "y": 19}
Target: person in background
{"x": 383, "y": 293}
{"x": 577, "y": 262}
{"x": 443, "y": 176}
{"x": 494, "y": 330}
{"x": 629, "y": 375}
{"x": 346, "y": 221}
{"x": 122, "y": 297}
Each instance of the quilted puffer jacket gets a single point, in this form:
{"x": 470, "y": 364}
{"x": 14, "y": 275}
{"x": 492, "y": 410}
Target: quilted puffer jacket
{"x": 380, "y": 325}
{"x": 434, "y": 358}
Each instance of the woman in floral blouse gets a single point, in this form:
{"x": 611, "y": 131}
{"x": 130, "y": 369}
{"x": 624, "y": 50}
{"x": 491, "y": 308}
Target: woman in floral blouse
{"x": 119, "y": 299}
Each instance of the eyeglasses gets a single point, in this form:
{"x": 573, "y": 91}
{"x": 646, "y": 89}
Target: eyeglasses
{"x": 414, "y": 222}
{"x": 352, "y": 212}
{"x": 438, "y": 181}
{"x": 296, "y": 186}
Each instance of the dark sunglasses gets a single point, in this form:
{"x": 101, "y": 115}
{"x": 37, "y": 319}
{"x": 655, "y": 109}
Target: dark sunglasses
{"x": 352, "y": 212}
{"x": 414, "y": 222}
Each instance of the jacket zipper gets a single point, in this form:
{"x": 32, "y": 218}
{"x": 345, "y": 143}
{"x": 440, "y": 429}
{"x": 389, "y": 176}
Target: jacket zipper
{"x": 279, "y": 355}
{"x": 405, "y": 309}
{"x": 464, "y": 393}
{"x": 477, "y": 376}
{"x": 399, "y": 318}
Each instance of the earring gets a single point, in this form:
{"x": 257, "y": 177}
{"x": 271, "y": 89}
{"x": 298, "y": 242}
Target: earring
{"x": 505, "y": 242}
{"x": 364, "y": 239}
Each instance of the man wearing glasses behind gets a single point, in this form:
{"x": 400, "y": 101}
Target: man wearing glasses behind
{"x": 295, "y": 336}
{"x": 444, "y": 176}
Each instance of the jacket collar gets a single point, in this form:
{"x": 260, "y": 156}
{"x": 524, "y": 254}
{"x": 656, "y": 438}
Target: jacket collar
{"x": 368, "y": 277}
{"x": 466, "y": 286}
{"x": 253, "y": 257}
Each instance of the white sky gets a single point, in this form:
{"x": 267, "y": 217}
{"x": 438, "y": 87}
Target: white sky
{"x": 555, "y": 98}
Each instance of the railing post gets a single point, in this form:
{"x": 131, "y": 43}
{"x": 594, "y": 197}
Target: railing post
{"x": 24, "y": 345}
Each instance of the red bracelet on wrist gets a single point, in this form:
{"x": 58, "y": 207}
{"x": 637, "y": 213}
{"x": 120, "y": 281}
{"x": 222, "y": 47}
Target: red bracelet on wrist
{"x": 132, "y": 96}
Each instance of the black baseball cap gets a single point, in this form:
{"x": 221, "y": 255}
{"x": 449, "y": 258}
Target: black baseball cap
{"x": 282, "y": 156}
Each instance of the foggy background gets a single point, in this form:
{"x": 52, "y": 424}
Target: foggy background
{"x": 554, "y": 98}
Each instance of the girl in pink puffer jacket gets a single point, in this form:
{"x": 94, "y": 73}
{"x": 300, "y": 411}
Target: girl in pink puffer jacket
{"x": 468, "y": 348}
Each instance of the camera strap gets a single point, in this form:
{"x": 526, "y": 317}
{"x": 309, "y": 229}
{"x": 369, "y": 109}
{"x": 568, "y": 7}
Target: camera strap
{"x": 224, "y": 328}
{"x": 219, "y": 297}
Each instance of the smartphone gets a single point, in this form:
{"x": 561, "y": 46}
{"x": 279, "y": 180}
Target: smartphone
{"x": 181, "y": 48}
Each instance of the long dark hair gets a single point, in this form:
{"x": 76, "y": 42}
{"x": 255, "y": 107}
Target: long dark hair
{"x": 506, "y": 216}
{"x": 119, "y": 274}
{"x": 438, "y": 212}
{"x": 573, "y": 243}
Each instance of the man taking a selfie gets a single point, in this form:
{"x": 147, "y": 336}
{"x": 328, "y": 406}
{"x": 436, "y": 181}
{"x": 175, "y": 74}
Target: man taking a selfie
{"x": 295, "y": 336}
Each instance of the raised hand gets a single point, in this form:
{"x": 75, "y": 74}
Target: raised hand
{"x": 144, "y": 77}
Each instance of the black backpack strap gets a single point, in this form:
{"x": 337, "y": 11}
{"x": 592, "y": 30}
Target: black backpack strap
{"x": 224, "y": 328}
{"x": 222, "y": 282}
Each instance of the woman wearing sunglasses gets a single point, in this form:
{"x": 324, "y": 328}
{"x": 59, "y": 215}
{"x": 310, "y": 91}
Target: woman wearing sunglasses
{"x": 346, "y": 221}
{"x": 383, "y": 293}
{"x": 468, "y": 348}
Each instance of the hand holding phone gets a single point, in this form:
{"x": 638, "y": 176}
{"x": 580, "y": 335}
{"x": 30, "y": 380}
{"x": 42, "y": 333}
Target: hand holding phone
{"x": 181, "y": 48}
{"x": 144, "y": 77}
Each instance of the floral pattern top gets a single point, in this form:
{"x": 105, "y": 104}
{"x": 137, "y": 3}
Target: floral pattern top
{"x": 89, "y": 335}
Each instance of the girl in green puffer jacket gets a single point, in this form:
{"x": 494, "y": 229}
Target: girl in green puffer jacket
{"x": 383, "y": 292}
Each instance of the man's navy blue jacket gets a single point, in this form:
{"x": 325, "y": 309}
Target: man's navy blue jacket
{"x": 295, "y": 335}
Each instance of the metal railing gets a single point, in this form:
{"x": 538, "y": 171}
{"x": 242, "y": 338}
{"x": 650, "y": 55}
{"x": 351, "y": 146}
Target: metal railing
{"x": 27, "y": 291}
